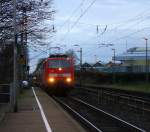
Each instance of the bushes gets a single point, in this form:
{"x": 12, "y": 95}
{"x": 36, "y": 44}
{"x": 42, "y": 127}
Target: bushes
{"x": 103, "y": 78}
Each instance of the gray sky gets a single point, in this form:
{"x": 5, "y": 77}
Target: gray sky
{"x": 127, "y": 23}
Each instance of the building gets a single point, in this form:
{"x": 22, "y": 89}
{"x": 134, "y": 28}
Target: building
{"x": 134, "y": 59}
{"x": 98, "y": 66}
{"x": 86, "y": 66}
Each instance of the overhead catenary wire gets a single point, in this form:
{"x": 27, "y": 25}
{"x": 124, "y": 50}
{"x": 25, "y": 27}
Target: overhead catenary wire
{"x": 137, "y": 17}
{"x": 118, "y": 24}
{"x": 84, "y": 12}
{"x": 133, "y": 24}
{"x": 125, "y": 35}
{"x": 69, "y": 18}
{"x": 77, "y": 20}
{"x": 81, "y": 4}
{"x": 128, "y": 35}
{"x": 125, "y": 22}
{"x": 109, "y": 42}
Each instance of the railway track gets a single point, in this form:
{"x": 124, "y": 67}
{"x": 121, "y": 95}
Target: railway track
{"x": 133, "y": 94}
{"x": 131, "y": 109}
{"x": 134, "y": 101}
{"x": 95, "y": 119}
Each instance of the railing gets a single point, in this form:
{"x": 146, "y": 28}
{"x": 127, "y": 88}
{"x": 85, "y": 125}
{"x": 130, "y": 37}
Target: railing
{"x": 5, "y": 93}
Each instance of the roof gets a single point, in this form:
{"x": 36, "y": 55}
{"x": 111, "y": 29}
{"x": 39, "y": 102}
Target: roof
{"x": 138, "y": 49}
{"x": 86, "y": 65}
{"x": 97, "y": 64}
{"x": 58, "y": 55}
{"x": 135, "y": 53}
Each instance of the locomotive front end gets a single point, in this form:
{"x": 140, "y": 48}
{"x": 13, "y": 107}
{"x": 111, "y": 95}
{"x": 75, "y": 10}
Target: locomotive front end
{"x": 60, "y": 73}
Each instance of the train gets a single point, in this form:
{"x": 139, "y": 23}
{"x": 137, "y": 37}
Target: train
{"x": 55, "y": 74}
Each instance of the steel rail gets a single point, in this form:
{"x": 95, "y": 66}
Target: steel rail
{"x": 88, "y": 123}
{"x": 135, "y": 94}
{"x": 123, "y": 96}
{"x": 110, "y": 115}
{"x": 116, "y": 93}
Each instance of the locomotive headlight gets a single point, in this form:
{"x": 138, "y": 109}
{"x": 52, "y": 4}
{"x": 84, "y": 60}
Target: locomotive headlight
{"x": 68, "y": 80}
{"x": 60, "y": 69}
{"x": 51, "y": 80}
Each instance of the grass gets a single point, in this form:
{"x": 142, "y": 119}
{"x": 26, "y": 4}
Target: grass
{"x": 134, "y": 86}
{"x": 141, "y": 87}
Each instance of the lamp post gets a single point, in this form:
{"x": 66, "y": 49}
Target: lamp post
{"x": 80, "y": 58}
{"x": 146, "y": 60}
{"x": 114, "y": 59}
{"x": 14, "y": 94}
{"x": 114, "y": 70}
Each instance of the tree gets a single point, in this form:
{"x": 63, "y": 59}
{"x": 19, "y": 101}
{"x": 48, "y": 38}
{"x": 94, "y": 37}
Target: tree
{"x": 72, "y": 54}
{"x": 30, "y": 16}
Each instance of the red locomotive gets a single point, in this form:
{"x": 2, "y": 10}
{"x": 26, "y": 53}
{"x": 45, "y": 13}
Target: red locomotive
{"x": 56, "y": 73}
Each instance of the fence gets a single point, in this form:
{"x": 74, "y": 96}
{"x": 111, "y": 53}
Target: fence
{"x": 6, "y": 77}
{"x": 5, "y": 93}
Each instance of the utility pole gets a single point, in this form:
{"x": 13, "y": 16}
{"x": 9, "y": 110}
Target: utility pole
{"x": 80, "y": 55}
{"x": 80, "y": 81}
{"x": 114, "y": 55}
{"x": 80, "y": 58}
{"x": 146, "y": 60}
{"x": 126, "y": 45}
{"x": 14, "y": 101}
{"x": 114, "y": 68}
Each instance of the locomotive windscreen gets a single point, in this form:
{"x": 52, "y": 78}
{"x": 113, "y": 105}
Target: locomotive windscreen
{"x": 58, "y": 64}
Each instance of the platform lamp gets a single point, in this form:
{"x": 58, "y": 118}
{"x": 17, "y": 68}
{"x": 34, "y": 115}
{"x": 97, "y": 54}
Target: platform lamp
{"x": 14, "y": 90}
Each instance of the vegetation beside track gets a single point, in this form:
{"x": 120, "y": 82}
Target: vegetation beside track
{"x": 125, "y": 81}
{"x": 142, "y": 87}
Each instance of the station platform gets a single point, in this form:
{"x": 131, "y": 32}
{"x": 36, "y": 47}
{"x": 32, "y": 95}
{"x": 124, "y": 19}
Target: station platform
{"x": 37, "y": 112}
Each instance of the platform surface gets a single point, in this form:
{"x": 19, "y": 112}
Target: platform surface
{"x": 29, "y": 118}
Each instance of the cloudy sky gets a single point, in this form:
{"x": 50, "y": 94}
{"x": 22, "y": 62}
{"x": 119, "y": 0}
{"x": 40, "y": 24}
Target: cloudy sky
{"x": 89, "y": 23}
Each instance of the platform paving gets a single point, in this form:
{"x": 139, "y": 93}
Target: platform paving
{"x": 29, "y": 119}
{"x": 4, "y": 108}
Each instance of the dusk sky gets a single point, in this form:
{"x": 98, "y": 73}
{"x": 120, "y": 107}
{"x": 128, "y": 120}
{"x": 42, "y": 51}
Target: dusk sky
{"x": 89, "y": 23}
